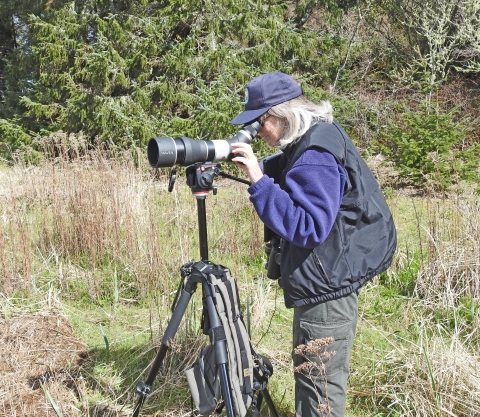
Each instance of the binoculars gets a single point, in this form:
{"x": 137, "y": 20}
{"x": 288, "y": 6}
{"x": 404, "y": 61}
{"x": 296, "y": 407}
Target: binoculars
{"x": 272, "y": 249}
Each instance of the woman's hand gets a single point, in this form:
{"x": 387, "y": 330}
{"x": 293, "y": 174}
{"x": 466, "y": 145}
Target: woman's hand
{"x": 246, "y": 160}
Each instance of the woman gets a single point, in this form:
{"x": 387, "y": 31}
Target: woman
{"x": 335, "y": 227}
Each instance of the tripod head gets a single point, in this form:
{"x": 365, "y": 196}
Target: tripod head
{"x": 200, "y": 177}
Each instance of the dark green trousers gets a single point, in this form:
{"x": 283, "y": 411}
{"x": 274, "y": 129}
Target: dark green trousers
{"x": 322, "y": 369}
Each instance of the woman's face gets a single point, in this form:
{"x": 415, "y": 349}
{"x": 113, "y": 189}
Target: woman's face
{"x": 272, "y": 129}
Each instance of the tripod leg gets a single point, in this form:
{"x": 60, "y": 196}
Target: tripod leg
{"x": 266, "y": 395}
{"x": 143, "y": 388}
{"x": 260, "y": 385}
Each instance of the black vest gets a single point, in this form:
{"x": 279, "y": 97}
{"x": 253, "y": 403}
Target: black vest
{"x": 362, "y": 241}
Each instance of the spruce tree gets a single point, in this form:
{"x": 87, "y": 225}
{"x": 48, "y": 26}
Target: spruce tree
{"x": 124, "y": 71}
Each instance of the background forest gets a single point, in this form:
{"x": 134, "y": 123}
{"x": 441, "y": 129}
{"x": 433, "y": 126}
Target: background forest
{"x": 91, "y": 241}
{"x": 403, "y": 76}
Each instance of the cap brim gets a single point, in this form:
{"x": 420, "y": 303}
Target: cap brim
{"x": 248, "y": 116}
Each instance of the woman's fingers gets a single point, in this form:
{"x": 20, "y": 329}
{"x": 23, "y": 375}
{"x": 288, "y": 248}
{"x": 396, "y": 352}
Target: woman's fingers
{"x": 243, "y": 150}
{"x": 246, "y": 160}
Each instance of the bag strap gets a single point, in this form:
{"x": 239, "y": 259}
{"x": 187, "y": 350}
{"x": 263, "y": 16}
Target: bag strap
{"x": 229, "y": 290}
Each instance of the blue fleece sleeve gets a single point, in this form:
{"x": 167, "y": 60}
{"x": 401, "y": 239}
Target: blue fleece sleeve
{"x": 305, "y": 214}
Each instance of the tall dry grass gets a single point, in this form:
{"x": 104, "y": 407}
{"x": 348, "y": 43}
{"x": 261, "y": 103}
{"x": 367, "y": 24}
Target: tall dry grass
{"x": 437, "y": 376}
{"x": 82, "y": 217}
{"x": 451, "y": 269}
{"x": 424, "y": 359}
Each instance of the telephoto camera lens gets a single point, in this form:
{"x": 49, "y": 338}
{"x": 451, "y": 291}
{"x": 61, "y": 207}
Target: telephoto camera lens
{"x": 165, "y": 152}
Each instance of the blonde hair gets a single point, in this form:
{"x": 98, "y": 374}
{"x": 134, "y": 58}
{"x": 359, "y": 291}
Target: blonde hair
{"x": 298, "y": 115}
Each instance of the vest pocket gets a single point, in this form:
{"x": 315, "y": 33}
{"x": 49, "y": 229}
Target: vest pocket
{"x": 321, "y": 269}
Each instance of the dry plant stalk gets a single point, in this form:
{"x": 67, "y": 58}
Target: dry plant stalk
{"x": 316, "y": 356}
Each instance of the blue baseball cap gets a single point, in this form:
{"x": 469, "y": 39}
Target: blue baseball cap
{"x": 264, "y": 92}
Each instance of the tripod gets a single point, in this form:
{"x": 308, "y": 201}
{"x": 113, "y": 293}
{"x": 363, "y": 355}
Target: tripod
{"x": 200, "y": 179}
